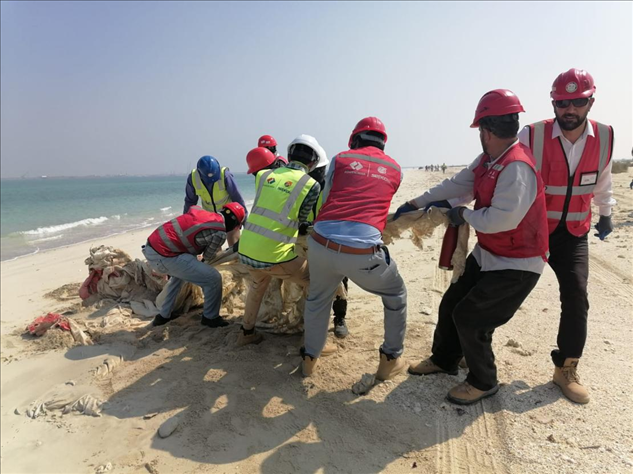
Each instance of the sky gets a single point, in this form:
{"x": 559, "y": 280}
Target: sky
{"x": 102, "y": 88}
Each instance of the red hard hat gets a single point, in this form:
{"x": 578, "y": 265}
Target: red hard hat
{"x": 573, "y": 84}
{"x": 369, "y": 124}
{"x": 497, "y": 102}
{"x": 266, "y": 140}
{"x": 258, "y": 159}
{"x": 237, "y": 209}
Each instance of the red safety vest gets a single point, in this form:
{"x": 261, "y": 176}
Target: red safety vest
{"x": 364, "y": 181}
{"x": 569, "y": 197}
{"x": 178, "y": 236}
{"x": 530, "y": 238}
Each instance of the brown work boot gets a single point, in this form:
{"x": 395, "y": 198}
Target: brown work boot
{"x": 329, "y": 349}
{"x": 566, "y": 377}
{"x": 390, "y": 366}
{"x": 427, "y": 367}
{"x": 465, "y": 394}
{"x": 248, "y": 336}
{"x": 308, "y": 363}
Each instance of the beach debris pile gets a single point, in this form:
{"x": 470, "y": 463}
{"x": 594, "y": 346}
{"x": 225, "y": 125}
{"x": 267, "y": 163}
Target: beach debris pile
{"x": 421, "y": 224}
{"x": 43, "y": 323}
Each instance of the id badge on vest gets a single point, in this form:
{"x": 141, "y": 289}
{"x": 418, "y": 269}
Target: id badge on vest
{"x": 588, "y": 179}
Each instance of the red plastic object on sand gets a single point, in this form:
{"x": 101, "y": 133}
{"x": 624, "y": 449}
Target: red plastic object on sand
{"x": 449, "y": 244}
{"x": 43, "y": 323}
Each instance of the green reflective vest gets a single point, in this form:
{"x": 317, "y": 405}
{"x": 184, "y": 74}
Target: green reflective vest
{"x": 220, "y": 195}
{"x": 272, "y": 226}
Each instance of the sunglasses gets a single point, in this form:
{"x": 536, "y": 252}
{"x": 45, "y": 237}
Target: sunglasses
{"x": 563, "y": 104}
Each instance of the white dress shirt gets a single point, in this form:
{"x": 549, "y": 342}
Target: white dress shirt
{"x": 602, "y": 193}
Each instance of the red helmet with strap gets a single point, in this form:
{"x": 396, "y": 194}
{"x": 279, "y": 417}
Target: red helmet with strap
{"x": 497, "y": 102}
{"x": 266, "y": 141}
{"x": 258, "y": 159}
{"x": 369, "y": 124}
{"x": 236, "y": 209}
{"x": 573, "y": 84}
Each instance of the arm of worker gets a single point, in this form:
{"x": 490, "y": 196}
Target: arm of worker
{"x": 191, "y": 198}
{"x": 308, "y": 202}
{"x": 329, "y": 180}
{"x": 513, "y": 196}
{"x": 603, "y": 192}
{"x": 457, "y": 186}
{"x": 232, "y": 189}
{"x": 211, "y": 241}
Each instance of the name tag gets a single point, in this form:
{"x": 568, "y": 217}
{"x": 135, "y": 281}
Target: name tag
{"x": 588, "y": 178}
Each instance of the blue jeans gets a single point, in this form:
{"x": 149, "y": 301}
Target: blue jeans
{"x": 186, "y": 267}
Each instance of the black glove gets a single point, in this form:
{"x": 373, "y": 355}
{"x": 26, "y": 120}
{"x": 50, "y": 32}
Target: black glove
{"x": 236, "y": 246}
{"x": 604, "y": 227}
{"x": 443, "y": 204}
{"x": 455, "y": 216}
{"x": 303, "y": 227}
{"x": 406, "y": 207}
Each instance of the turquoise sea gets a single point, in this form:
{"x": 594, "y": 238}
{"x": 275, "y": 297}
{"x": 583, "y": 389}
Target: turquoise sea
{"x": 45, "y": 213}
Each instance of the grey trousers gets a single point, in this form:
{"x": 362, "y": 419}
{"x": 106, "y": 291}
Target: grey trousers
{"x": 372, "y": 273}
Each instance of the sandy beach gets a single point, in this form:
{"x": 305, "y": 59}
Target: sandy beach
{"x": 243, "y": 410}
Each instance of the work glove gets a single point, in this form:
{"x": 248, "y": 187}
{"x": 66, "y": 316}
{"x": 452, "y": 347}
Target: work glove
{"x": 303, "y": 227}
{"x": 455, "y": 216}
{"x": 406, "y": 207}
{"x": 604, "y": 227}
{"x": 236, "y": 246}
{"x": 443, "y": 204}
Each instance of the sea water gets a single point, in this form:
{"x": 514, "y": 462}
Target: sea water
{"x": 40, "y": 214}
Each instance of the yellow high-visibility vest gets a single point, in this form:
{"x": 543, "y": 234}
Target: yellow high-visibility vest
{"x": 220, "y": 195}
{"x": 272, "y": 226}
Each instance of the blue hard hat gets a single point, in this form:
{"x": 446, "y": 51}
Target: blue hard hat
{"x": 209, "y": 169}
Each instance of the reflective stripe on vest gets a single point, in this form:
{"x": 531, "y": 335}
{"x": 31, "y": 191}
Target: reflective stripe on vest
{"x": 571, "y": 216}
{"x": 539, "y": 140}
{"x": 220, "y": 196}
{"x": 369, "y": 158}
{"x": 537, "y": 151}
{"x": 170, "y": 245}
{"x": 271, "y": 234}
{"x": 281, "y": 217}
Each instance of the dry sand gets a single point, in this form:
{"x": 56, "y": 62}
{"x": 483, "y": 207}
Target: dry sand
{"x": 243, "y": 410}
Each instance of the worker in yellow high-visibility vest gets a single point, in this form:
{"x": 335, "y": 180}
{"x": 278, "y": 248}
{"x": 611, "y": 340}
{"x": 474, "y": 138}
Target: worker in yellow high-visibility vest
{"x": 215, "y": 186}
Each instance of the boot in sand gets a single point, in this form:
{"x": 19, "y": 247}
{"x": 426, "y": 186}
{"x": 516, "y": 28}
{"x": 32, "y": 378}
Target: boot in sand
{"x": 566, "y": 377}
{"x": 390, "y": 366}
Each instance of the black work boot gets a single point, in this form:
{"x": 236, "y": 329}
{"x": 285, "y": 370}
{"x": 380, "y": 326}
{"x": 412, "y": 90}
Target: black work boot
{"x": 340, "y": 310}
{"x": 159, "y": 320}
{"x": 217, "y": 322}
{"x": 340, "y": 328}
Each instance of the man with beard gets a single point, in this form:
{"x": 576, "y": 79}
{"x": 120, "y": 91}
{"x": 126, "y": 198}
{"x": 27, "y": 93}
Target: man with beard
{"x": 574, "y": 157}
{"x": 505, "y": 265}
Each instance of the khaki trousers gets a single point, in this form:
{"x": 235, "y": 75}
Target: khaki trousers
{"x": 295, "y": 270}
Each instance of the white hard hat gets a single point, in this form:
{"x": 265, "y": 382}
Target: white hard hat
{"x": 312, "y": 142}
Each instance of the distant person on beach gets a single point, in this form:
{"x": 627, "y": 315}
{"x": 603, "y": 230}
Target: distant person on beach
{"x": 269, "y": 142}
{"x": 574, "y": 157}
{"x": 509, "y": 257}
{"x": 347, "y": 242}
{"x": 284, "y": 198}
{"x": 443, "y": 168}
{"x": 215, "y": 186}
{"x": 173, "y": 248}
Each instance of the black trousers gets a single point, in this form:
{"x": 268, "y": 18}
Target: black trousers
{"x": 569, "y": 258}
{"x": 471, "y": 309}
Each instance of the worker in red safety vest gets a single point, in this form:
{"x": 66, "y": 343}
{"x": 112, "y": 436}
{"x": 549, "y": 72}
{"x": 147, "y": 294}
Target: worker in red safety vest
{"x": 573, "y": 154}
{"x": 505, "y": 265}
{"x": 347, "y": 242}
{"x": 174, "y": 248}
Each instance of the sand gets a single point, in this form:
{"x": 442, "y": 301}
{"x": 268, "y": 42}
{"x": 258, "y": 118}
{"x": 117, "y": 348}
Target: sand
{"x": 243, "y": 410}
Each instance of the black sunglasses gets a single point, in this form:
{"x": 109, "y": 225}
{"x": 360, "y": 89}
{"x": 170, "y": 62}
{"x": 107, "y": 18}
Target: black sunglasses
{"x": 563, "y": 104}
